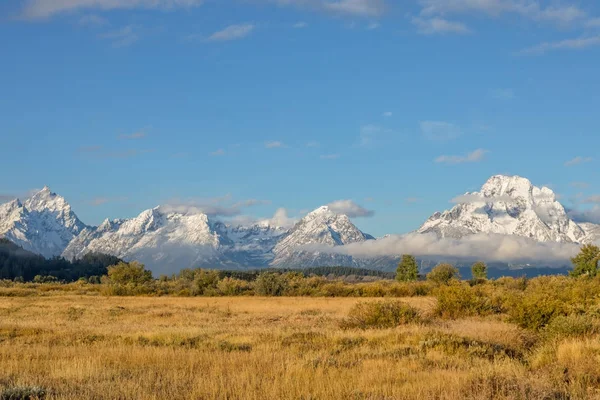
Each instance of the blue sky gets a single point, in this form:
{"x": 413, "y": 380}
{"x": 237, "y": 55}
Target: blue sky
{"x": 251, "y": 106}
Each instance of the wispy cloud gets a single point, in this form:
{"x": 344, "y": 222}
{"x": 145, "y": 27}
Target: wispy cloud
{"x": 133, "y": 136}
{"x": 440, "y": 130}
{"x": 568, "y": 44}
{"x": 330, "y": 156}
{"x": 99, "y": 201}
{"x": 580, "y": 185}
{"x": 578, "y": 160}
{"x": 503, "y": 94}
{"x": 388, "y": 114}
{"x": 369, "y": 134}
{"x": 356, "y": 8}
{"x": 474, "y": 156}
{"x": 275, "y": 145}
{"x": 350, "y": 208}
{"x": 300, "y": 25}
{"x": 36, "y": 9}
{"x": 232, "y": 32}
{"x": 223, "y": 206}
{"x": 89, "y": 149}
{"x": 530, "y": 9}
{"x": 437, "y": 25}
{"x": 92, "y": 20}
{"x": 122, "y": 37}
{"x": 219, "y": 152}
{"x": 313, "y": 144}
{"x": 373, "y": 26}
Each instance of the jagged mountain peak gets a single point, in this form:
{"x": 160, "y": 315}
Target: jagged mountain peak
{"x": 509, "y": 205}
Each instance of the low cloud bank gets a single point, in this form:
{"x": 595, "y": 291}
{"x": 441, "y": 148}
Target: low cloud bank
{"x": 487, "y": 247}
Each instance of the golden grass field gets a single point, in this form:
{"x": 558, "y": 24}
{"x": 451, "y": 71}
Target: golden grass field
{"x": 94, "y": 347}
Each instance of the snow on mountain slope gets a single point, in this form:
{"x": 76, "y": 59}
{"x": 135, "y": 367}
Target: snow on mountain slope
{"x": 320, "y": 227}
{"x": 43, "y": 224}
{"x": 508, "y": 205}
{"x": 164, "y": 241}
{"x": 592, "y": 232}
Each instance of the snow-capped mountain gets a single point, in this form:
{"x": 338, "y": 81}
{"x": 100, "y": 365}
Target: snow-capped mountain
{"x": 165, "y": 241}
{"x": 508, "y": 205}
{"x": 170, "y": 241}
{"x": 43, "y": 223}
{"x": 320, "y": 227}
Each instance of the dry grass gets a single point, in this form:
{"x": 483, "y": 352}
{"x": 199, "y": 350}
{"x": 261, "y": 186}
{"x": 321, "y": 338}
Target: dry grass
{"x": 97, "y": 347}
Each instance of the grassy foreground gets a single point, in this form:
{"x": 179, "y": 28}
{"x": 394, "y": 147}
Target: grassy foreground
{"x": 97, "y": 347}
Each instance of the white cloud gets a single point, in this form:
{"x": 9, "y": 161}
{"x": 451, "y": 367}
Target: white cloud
{"x": 232, "y": 32}
{"x": 135, "y": 135}
{"x": 369, "y": 133}
{"x": 35, "y": 9}
{"x": 439, "y": 130}
{"x": 300, "y": 25}
{"x": 123, "y": 37}
{"x": 373, "y": 26}
{"x": 487, "y": 247}
{"x": 349, "y": 208}
{"x": 281, "y": 219}
{"x": 593, "y": 23}
{"x": 471, "y": 198}
{"x": 595, "y": 199}
{"x": 219, "y": 206}
{"x": 588, "y": 215}
{"x": 92, "y": 20}
{"x": 275, "y": 144}
{"x": 580, "y": 185}
{"x": 388, "y": 114}
{"x": 578, "y": 160}
{"x": 219, "y": 152}
{"x": 474, "y": 156}
{"x": 503, "y": 94}
{"x": 363, "y": 8}
{"x": 356, "y": 8}
{"x": 330, "y": 156}
{"x": 437, "y": 25}
{"x": 568, "y": 44}
{"x": 530, "y": 9}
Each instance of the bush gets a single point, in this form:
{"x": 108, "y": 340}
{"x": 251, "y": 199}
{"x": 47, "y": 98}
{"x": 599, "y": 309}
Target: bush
{"x": 270, "y": 284}
{"x": 534, "y": 309}
{"x": 23, "y": 393}
{"x": 380, "y": 315}
{"x": 443, "y": 273}
{"x": 232, "y": 287}
{"x": 129, "y": 273}
{"x": 571, "y": 325}
{"x": 461, "y": 300}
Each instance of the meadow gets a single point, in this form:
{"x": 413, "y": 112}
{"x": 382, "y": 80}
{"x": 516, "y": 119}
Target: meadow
{"x": 459, "y": 340}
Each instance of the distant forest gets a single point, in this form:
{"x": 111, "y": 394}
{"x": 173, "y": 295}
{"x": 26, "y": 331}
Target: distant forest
{"x": 16, "y": 263}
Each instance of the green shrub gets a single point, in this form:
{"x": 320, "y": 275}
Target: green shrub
{"x": 571, "y": 325}
{"x": 461, "y": 300}
{"x": 232, "y": 287}
{"x": 443, "y": 273}
{"x": 23, "y": 393}
{"x": 380, "y": 315}
{"x": 270, "y": 284}
{"x": 536, "y": 308}
{"x": 129, "y": 273}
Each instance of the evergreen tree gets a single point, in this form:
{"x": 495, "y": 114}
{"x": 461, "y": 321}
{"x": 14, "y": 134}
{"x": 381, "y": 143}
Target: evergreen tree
{"x": 479, "y": 270}
{"x": 586, "y": 262}
{"x": 408, "y": 270}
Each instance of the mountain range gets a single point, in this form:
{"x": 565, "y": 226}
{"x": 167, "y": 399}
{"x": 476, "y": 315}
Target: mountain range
{"x": 167, "y": 240}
